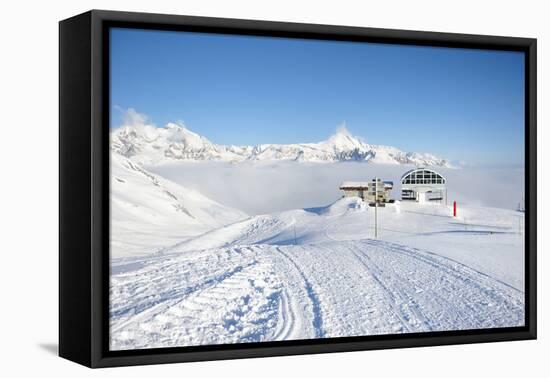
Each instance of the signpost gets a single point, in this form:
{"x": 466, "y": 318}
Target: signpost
{"x": 376, "y": 207}
{"x": 377, "y": 194}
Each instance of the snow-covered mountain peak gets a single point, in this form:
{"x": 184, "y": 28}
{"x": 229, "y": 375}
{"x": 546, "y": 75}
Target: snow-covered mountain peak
{"x": 153, "y": 144}
{"x": 180, "y": 134}
{"x": 342, "y": 139}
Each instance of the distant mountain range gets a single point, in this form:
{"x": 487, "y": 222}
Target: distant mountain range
{"x": 154, "y": 145}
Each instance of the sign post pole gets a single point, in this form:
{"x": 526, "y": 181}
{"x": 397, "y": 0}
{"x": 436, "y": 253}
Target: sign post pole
{"x": 376, "y": 207}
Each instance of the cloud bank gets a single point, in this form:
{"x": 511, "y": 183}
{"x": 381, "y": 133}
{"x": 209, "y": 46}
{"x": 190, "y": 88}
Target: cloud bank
{"x": 258, "y": 188}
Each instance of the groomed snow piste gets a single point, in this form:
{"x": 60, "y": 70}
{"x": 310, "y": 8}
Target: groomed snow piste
{"x": 320, "y": 273}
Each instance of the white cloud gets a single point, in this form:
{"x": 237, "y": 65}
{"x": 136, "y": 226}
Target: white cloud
{"x": 264, "y": 187}
{"x": 342, "y": 128}
{"x": 130, "y": 117}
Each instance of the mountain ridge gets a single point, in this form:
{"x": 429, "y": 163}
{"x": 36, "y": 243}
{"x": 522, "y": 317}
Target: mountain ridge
{"x": 153, "y": 145}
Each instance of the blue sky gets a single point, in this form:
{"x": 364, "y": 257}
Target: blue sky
{"x": 457, "y": 103}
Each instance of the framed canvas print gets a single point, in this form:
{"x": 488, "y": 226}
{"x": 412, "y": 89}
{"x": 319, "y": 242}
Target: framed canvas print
{"x": 234, "y": 188}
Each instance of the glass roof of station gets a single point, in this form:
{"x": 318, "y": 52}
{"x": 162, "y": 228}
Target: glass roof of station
{"x": 422, "y": 176}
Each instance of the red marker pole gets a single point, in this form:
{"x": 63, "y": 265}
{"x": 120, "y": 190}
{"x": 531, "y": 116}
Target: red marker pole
{"x": 454, "y": 209}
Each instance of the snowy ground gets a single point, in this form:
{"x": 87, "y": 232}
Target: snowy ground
{"x": 149, "y": 212}
{"x": 320, "y": 273}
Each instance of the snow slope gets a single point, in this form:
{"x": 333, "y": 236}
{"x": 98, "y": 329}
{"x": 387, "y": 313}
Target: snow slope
{"x": 151, "y": 145}
{"x": 319, "y": 273}
{"x": 149, "y": 212}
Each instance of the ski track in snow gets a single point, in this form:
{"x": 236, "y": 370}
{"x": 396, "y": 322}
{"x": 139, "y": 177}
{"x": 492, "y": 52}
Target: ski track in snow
{"x": 263, "y": 292}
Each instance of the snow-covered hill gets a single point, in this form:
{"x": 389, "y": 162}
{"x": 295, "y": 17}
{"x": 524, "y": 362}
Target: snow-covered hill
{"x": 319, "y": 272}
{"x": 149, "y": 212}
{"x": 152, "y": 145}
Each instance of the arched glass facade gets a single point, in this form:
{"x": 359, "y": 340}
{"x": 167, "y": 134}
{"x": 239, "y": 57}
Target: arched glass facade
{"x": 422, "y": 177}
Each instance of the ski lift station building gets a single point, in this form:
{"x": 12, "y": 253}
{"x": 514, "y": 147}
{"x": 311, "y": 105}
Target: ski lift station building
{"x": 423, "y": 185}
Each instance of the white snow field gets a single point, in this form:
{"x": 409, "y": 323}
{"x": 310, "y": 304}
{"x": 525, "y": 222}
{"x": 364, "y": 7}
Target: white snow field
{"x": 149, "y": 212}
{"x": 188, "y": 268}
{"x": 319, "y": 272}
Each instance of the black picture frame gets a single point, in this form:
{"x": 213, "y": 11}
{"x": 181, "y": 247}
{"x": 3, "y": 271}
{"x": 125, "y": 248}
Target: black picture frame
{"x": 84, "y": 187}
